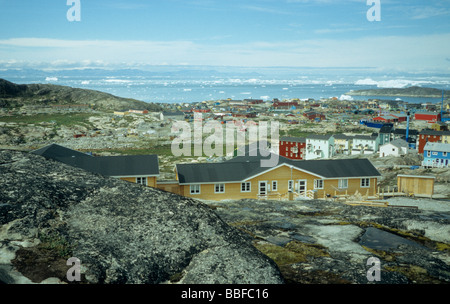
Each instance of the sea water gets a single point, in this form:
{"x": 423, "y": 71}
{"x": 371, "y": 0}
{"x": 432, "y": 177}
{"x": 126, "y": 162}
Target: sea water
{"x": 198, "y": 87}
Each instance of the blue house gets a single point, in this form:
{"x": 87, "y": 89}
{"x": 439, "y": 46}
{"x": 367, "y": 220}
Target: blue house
{"x": 436, "y": 155}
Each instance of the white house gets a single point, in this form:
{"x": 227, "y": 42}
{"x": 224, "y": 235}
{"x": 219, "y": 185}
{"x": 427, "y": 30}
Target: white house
{"x": 319, "y": 146}
{"x": 363, "y": 144}
{"x": 396, "y": 147}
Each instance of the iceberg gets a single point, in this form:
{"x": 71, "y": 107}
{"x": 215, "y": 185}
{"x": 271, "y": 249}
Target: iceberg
{"x": 345, "y": 97}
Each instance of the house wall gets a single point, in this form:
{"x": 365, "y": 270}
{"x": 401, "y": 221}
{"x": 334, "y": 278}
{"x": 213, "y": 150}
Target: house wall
{"x": 287, "y": 144}
{"x": 342, "y": 146}
{"x": 427, "y": 117}
{"x": 151, "y": 180}
{"x": 446, "y": 139}
{"x": 436, "y": 158}
{"x": 173, "y": 187}
{"x": 282, "y": 175}
{"x": 313, "y": 145}
{"x": 417, "y": 185}
{"x": 424, "y": 138}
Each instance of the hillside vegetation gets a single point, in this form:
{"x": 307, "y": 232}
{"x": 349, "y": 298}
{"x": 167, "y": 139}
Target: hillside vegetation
{"x": 16, "y": 95}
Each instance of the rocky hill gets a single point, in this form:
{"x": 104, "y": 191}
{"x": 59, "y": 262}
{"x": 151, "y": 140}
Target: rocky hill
{"x": 121, "y": 232}
{"x": 16, "y": 95}
{"x": 413, "y": 91}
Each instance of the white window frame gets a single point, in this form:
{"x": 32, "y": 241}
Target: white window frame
{"x": 246, "y": 187}
{"x": 274, "y": 185}
{"x": 291, "y": 185}
{"x": 219, "y": 188}
{"x": 428, "y": 153}
{"x": 195, "y": 189}
{"x": 142, "y": 181}
{"x": 343, "y": 183}
{"x": 365, "y": 182}
{"x": 266, "y": 188}
{"x": 318, "y": 184}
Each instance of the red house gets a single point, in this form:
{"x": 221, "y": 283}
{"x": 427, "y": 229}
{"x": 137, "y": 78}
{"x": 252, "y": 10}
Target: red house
{"x": 201, "y": 110}
{"x": 312, "y": 115}
{"x": 428, "y": 116}
{"x": 400, "y": 117}
{"x": 428, "y": 136}
{"x": 386, "y": 118}
{"x": 285, "y": 105}
{"x": 292, "y": 147}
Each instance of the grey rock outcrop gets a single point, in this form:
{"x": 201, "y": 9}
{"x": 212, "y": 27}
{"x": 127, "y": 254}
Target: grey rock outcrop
{"x": 325, "y": 242}
{"x": 121, "y": 232}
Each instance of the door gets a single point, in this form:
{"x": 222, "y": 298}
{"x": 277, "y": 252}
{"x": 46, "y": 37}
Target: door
{"x": 262, "y": 188}
{"x": 302, "y": 186}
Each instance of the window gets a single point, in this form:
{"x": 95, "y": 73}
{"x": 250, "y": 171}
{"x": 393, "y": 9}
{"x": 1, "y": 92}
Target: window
{"x": 219, "y": 188}
{"x": 195, "y": 189}
{"x": 318, "y": 184}
{"x": 365, "y": 182}
{"x": 246, "y": 187}
{"x": 343, "y": 184}
{"x": 291, "y": 185}
{"x": 141, "y": 180}
{"x": 274, "y": 186}
{"x": 444, "y": 154}
{"x": 428, "y": 153}
{"x": 435, "y": 153}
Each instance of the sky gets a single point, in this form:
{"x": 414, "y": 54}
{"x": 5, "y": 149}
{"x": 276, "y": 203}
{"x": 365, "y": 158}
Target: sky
{"x": 411, "y": 35}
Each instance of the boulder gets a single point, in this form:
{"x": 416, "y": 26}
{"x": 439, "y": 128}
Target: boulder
{"x": 121, "y": 232}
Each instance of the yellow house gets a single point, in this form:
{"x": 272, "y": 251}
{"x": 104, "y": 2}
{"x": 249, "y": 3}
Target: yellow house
{"x": 141, "y": 169}
{"x": 446, "y": 138}
{"x": 244, "y": 177}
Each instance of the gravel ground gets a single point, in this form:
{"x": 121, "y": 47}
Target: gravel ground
{"x": 421, "y": 203}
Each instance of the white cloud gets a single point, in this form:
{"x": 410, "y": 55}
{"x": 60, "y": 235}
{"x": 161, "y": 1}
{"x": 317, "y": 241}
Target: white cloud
{"x": 428, "y": 12}
{"x": 393, "y": 52}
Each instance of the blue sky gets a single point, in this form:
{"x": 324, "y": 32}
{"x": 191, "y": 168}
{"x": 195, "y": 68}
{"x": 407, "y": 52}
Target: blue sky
{"x": 411, "y": 36}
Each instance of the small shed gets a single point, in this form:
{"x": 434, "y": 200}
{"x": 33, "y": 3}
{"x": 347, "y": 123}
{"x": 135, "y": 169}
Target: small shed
{"x": 417, "y": 185}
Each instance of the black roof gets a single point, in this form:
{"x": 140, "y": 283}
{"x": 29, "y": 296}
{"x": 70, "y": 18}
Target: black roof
{"x": 434, "y": 132}
{"x": 293, "y": 139}
{"x": 386, "y": 129}
{"x": 318, "y": 136}
{"x": 127, "y": 165}
{"x": 342, "y": 136}
{"x": 244, "y": 167}
{"x": 56, "y": 152}
{"x": 403, "y": 132}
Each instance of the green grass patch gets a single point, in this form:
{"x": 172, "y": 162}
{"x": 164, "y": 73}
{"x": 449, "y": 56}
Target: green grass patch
{"x": 55, "y": 243}
{"x": 68, "y": 120}
{"x": 291, "y": 253}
